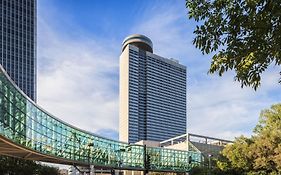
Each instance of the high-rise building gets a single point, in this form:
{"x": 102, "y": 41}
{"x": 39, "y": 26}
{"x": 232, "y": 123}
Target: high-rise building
{"x": 18, "y": 43}
{"x": 152, "y": 93}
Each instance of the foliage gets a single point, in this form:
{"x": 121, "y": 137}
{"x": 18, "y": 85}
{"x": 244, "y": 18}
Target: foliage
{"x": 260, "y": 154}
{"x": 205, "y": 170}
{"x": 47, "y": 170}
{"x": 15, "y": 166}
{"x": 238, "y": 153}
{"x": 245, "y": 34}
{"x": 219, "y": 166}
{"x": 257, "y": 155}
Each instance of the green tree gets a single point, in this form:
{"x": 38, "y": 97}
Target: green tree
{"x": 267, "y": 147}
{"x": 16, "y": 166}
{"x": 244, "y": 34}
{"x": 47, "y": 170}
{"x": 260, "y": 154}
{"x": 219, "y": 166}
{"x": 238, "y": 155}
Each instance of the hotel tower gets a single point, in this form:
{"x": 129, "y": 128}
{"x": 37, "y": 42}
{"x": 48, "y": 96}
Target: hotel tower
{"x": 152, "y": 93}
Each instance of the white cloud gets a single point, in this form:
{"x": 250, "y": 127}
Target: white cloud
{"x": 75, "y": 80}
{"x": 220, "y": 108}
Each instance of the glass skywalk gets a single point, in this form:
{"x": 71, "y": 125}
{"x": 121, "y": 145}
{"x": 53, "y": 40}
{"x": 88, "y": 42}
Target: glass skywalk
{"x": 25, "y": 125}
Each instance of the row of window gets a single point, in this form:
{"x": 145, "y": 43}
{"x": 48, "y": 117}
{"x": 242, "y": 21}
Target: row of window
{"x": 170, "y": 123}
{"x": 19, "y": 58}
{"x": 136, "y": 62}
{"x": 17, "y": 15}
{"x": 156, "y": 72}
{"x": 138, "y": 78}
{"x": 25, "y": 38}
{"x": 166, "y": 63}
{"x": 162, "y": 109}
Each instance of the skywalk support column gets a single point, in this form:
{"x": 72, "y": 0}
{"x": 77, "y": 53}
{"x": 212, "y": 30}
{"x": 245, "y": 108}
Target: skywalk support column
{"x": 145, "y": 161}
{"x": 92, "y": 170}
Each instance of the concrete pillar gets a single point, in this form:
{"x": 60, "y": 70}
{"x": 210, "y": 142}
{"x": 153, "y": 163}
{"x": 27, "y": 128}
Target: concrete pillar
{"x": 92, "y": 170}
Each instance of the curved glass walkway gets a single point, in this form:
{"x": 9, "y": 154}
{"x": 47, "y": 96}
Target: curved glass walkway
{"x": 29, "y": 132}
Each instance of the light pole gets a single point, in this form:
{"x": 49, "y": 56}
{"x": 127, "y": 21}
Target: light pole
{"x": 209, "y": 169}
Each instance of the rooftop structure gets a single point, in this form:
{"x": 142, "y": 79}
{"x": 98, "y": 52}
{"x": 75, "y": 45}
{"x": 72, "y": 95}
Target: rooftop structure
{"x": 194, "y": 142}
{"x": 139, "y": 41}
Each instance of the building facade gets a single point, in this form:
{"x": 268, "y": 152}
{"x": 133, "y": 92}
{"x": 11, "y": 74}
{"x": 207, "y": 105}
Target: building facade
{"x": 152, "y": 93}
{"x": 18, "y": 43}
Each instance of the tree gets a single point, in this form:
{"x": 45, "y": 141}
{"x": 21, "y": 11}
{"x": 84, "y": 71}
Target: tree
{"x": 238, "y": 155}
{"x": 16, "y": 166}
{"x": 267, "y": 147}
{"x": 244, "y": 34}
{"x": 220, "y": 166}
{"x": 47, "y": 170}
{"x": 260, "y": 154}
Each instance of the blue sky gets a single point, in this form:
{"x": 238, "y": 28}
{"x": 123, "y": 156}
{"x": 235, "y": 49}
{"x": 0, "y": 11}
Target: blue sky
{"x": 79, "y": 45}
